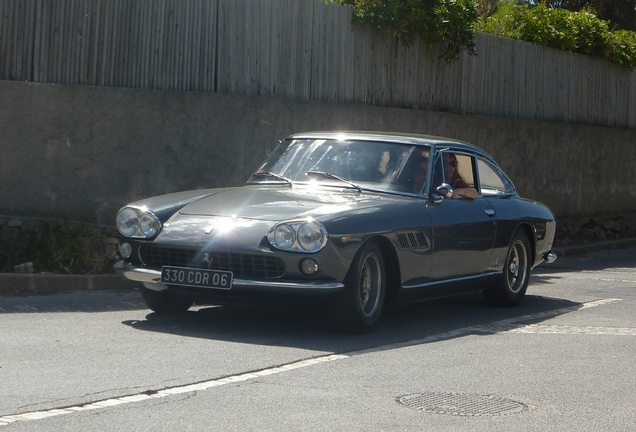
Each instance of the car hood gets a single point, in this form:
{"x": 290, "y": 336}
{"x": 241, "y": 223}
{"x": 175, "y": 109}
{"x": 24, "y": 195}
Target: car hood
{"x": 277, "y": 203}
{"x": 239, "y": 218}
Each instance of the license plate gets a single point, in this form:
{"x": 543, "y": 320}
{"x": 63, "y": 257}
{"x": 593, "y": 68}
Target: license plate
{"x": 196, "y": 277}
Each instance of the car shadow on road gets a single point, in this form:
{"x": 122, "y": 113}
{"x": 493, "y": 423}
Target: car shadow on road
{"x": 441, "y": 319}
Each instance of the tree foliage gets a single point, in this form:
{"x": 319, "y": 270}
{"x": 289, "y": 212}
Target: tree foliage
{"x": 570, "y": 25}
{"x": 447, "y": 23}
{"x": 619, "y": 14}
{"x": 623, "y": 48}
{"x": 582, "y": 32}
{"x": 568, "y": 31}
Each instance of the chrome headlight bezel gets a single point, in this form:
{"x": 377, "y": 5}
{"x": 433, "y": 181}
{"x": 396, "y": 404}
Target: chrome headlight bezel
{"x": 138, "y": 222}
{"x": 305, "y": 236}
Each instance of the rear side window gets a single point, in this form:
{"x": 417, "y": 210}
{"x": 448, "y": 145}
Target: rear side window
{"x": 492, "y": 180}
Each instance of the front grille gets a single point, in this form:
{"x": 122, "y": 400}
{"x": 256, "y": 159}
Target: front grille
{"x": 243, "y": 266}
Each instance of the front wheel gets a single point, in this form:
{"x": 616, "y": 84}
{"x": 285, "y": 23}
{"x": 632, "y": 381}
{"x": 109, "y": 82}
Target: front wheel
{"x": 164, "y": 303}
{"x": 359, "y": 307}
{"x": 511, "y": 287}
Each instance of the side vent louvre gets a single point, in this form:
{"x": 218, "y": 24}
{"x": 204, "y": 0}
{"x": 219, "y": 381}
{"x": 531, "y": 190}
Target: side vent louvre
{"x": 412, "y": 239}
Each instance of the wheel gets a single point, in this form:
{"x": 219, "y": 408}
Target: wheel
{"x": 358, "y": 307}
{"x": 510, "y": 288}
{"x": 164, "y": 303}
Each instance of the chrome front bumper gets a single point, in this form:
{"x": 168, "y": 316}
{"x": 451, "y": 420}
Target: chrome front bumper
{"x": 151, "y": 280}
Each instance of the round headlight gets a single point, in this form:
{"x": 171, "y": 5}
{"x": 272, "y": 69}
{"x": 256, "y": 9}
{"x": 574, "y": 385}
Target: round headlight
{"x": 284, "y": 237}
{"x": 127, "y": 222}
{"x": 149, "y": 224}
{"x": 311, "y": 236}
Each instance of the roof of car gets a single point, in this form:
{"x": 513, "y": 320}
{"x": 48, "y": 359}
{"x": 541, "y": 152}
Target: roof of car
{"x": 396, "y": 137}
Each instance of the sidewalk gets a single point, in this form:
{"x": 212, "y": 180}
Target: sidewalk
{"x": 18, "y": 284}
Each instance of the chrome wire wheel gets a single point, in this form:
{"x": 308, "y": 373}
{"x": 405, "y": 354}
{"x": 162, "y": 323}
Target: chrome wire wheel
{"x": 517, "y": 266}
{"x": 358, "y": 307}
{"x": 370, "y": 284}
{"x": 511, "y": 286}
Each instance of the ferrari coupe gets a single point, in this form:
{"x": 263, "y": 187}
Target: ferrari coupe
{"x": 348, "y": 221}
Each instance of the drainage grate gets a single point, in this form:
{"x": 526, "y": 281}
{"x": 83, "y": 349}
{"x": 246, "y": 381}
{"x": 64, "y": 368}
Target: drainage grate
{"x": 462, "y": 404}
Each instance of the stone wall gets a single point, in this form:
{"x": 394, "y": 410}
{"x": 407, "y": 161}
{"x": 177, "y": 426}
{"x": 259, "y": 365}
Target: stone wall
{"x": 582, "y": 231}
{"x": 80, "y": 153}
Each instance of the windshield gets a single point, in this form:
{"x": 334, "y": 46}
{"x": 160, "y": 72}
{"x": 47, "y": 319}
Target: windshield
{"x": 357, "y": 164}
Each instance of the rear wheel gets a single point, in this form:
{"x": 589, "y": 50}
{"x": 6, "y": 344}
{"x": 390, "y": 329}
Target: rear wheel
{"x": 358, "y": 307}
{"x": 164, "y": 303}
{"x": 511, "y": 287}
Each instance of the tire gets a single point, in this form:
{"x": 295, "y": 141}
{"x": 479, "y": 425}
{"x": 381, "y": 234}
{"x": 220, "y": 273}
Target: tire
{"x": 511, "y": 287}
{"x": 164, "y": 303}
{"x": 358, "y": 308}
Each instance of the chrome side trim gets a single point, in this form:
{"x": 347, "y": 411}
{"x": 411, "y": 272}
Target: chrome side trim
{"x": 149, "y": 277}
{"x": 445, "y": 281}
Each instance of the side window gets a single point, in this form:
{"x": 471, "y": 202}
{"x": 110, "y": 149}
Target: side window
{"x": 455, "y": 169}
{"x": 465, "y": 169}
{"x": 492, "y": 180}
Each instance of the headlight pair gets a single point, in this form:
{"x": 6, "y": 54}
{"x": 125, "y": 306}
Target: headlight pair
{"x": 307, "y": 236}
{"x": 138, "y": 223}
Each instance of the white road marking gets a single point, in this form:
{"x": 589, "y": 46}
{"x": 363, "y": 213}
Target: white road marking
{"x": 508, "y": 325}
{"x": 572, "y": 330}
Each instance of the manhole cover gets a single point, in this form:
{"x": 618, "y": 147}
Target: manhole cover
{"x": 462, "y": 404}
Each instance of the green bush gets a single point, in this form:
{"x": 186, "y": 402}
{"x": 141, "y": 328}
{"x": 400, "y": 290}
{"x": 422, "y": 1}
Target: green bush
{"x": 501, "y": 23}
{"x": 447, "y": 23}
{"x": 623, "y": 48}
{"x": 53, "y": 246}
{"x": 451, "y": 25}
{"x": 580, "y": 32}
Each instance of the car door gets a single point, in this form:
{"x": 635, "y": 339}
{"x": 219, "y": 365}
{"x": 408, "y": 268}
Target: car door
{"x": 463, "y": 230}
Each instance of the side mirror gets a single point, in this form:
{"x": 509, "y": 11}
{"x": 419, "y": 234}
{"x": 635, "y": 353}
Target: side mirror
{"x": 445, "y": 190}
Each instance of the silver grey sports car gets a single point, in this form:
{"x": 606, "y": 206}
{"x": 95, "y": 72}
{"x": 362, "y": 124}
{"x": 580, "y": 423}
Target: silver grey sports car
{"x": 347, "y": 220}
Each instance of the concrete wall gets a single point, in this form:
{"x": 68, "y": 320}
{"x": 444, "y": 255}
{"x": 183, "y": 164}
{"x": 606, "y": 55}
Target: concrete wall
{"x": 83, "y": 152}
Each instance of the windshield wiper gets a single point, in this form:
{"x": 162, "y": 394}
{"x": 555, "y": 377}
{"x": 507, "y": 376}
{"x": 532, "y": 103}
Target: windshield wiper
{"x": 335, "y": 177}
{"x": 271, "y": 174}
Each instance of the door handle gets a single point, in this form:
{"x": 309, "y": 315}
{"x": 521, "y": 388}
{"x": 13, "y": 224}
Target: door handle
{"x": 489, "y": 212}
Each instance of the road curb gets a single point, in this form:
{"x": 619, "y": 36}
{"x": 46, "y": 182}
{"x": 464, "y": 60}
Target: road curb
{"x": 16, "y": 284}
{"x": 578, "y": 250}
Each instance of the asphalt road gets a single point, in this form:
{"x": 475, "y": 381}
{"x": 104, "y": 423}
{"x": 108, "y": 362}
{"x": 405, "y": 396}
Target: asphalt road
{"x": 563, "y": 360}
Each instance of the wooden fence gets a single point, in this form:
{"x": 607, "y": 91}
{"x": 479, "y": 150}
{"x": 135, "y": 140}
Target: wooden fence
{"x": 299, "y": 49}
